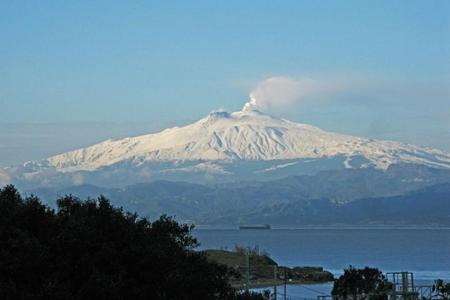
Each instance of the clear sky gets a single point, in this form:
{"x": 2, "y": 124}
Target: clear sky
{"x": 142, "y": 61}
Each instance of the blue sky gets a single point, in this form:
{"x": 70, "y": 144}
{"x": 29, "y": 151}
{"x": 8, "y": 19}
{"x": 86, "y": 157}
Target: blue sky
{"x": 131, "y": 61}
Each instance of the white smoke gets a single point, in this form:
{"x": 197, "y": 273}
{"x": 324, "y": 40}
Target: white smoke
{"x": 280, "y": 92}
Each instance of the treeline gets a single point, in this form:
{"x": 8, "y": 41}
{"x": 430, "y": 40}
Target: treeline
{"x": 92, "y": 250}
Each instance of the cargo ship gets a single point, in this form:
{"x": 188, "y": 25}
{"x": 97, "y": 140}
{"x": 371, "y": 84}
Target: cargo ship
{"x": 263, "y": 226}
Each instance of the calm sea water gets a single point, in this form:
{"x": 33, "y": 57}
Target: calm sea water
{"x": 425, "y": 252}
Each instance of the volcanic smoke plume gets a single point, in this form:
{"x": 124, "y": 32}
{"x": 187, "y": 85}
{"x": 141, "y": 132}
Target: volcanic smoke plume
{"x": 279, "y": 92}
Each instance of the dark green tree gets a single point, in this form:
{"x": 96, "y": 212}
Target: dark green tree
{"x": 91, "y": 250}
{"x": 369, "y": 282}
{"x": 442, "y": 289}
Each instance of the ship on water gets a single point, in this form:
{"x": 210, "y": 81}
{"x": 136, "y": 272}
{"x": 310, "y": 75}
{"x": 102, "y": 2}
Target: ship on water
{"x": 256, "y": 226}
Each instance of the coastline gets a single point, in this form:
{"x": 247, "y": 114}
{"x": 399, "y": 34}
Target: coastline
{"x": 267, "y": 283}
{"x": 324, "y": 227}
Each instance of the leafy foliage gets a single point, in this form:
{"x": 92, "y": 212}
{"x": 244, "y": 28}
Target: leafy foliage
{"x": 442, "y": 289}
{"x": 91, "y": 250}
{"x": 356, "y": 282}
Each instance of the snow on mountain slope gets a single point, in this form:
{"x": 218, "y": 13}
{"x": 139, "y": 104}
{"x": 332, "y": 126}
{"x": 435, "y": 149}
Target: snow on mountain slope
{"x": 244, "y": 135}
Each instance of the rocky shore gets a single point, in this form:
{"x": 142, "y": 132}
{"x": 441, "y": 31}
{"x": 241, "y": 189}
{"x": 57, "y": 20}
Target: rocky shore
{"x": 263, "y": 271}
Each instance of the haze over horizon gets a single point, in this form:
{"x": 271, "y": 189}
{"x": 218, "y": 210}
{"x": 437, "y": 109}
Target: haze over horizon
{"x": 75, "y": 74}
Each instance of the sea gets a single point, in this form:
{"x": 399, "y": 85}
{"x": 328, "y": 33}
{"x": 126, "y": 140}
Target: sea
{"x": 423, "y": 251}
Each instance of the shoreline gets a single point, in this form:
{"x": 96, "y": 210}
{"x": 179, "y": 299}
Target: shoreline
{"x": 230, "y": 228}
{"x": 260, "y": 284}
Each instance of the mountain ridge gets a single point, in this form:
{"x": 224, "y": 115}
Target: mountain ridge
{"x": 221, "y": 147}
{"x": 272, "y": 203}
{"x": 243, "y": 135}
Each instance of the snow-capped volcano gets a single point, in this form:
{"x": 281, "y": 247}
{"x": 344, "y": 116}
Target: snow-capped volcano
{"x": 224, "y": 144}
{"x": 244, "y": 135}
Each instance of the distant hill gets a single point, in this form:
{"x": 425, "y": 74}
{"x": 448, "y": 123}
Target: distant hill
{"x": 292, "y": 201}
{"x": 428, "y": 206}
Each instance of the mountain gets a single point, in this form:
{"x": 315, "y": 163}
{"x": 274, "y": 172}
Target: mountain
{"x": 276, "y": 203}
{"x": 222, "y": 147}
{"x": 244, "y": 135}
{"x": 429, "y": 206}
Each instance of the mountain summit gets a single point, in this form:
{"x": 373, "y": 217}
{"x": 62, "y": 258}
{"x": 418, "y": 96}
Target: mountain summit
{"x": 226, "y": 144}
{"x": 245, "y": 135}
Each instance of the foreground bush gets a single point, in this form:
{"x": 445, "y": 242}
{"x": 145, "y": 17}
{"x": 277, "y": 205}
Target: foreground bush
{"x": 367, "y": 283}
{"x": 91, "y": 250}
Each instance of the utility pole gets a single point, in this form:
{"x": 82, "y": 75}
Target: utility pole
{"x": 285, "y": 282}
{"x": 247, "y": 266}
{"x": 405, "y": 285}
{"x": 275, "y": 282}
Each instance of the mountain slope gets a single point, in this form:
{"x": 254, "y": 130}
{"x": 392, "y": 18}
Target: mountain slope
{"x": 222, "y": 147}
{"x": 278, "y": 203}
{"x": 244, "y": 135}
{"x": 427, "y": 206}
